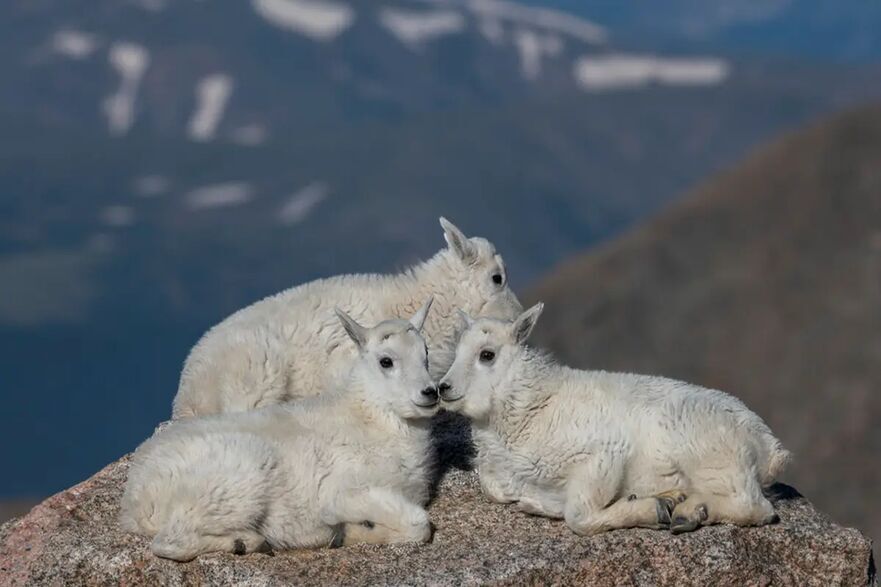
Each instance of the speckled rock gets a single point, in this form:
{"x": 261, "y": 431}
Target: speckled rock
{"x": 73, "y": 538}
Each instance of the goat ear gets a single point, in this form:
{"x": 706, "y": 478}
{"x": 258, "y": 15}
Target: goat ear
{"x": 418, "y": 319}
{"x": 524, "y": 324}
{"x": 457, "y": 241}
{"x": 355, "y": 331}
{"x": 463, "y": 315}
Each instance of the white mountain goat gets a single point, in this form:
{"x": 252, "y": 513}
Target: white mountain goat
{"x": 291, "y": 346}
{"x": 606, "y": 450}
{"x": 349, "y": 466}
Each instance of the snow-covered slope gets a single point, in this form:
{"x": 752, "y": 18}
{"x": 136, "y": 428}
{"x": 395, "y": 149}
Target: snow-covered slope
{"x": 216, "y": 71}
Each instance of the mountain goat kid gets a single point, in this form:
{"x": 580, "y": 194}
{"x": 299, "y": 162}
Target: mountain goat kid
{"x": 606, "y": 450}
{"x": 291, "y": 346}
{"x": 349, "y": 466}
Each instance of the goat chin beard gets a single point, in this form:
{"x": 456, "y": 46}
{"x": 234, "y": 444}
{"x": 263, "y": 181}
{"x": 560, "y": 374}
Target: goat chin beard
{"x": 417, "y": 412}
{"x": 467, "y": 409}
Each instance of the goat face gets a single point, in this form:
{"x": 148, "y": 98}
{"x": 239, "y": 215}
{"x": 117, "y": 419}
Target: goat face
{"x": 485, "y": 357}
{"x": 485, "y": 277}
{"x": 392, "y": 365}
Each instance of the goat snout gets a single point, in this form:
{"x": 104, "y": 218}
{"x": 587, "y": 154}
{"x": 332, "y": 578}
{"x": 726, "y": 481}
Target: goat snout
{"x": 445, "y": 389}
{"x": 430, "y": 394}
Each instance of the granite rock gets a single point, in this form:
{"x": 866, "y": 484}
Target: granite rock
{"x": 73, "y": 538}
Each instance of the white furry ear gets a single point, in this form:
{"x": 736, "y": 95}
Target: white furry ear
{"x": 355, "y": 331}
{"x": 524, "y": 324}
{"x": 418, "y": 319}
{"x": 463, "y": 315}
{"x": 457, "y": 241}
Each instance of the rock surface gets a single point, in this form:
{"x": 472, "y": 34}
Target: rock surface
{"x": 73, "y": 538}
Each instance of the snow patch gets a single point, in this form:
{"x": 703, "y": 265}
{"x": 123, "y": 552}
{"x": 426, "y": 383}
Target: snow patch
{"x": 250, "y": 135}
{"x": 492, "y": 30}
{"x": 613, "y": 72}
{"x": 74, "y": 44}
{"x": 118, "y": 216}
{"x": 413, "y": 28}
{"x": 148, "y": 186}
{"x": 533, "y": 47}
{"x": 130, "y": 61}
{"x": 545, "y": 18}
{"x": 232, "y": 193}
{"x": 212, "y": 95}
{"x": 301, "y": 204}
{"x": 319, "y": 20}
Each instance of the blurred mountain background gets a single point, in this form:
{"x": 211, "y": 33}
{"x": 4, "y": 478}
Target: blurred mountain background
{"x": 165, "y": 162}
{"x": 765, "y": 281}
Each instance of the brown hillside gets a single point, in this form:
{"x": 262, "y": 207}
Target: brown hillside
{"x": 766, "y": 283}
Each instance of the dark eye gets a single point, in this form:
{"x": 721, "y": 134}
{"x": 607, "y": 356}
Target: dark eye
{"x": 386, "y": 363}
{"x": 487, "y": 356}
{"x": 497, "y": 278}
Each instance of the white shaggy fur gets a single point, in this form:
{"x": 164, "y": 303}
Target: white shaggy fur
{"x": 606, "y": 450}
{"x": 291, "y": 346}
{"x": 348, "y": 466}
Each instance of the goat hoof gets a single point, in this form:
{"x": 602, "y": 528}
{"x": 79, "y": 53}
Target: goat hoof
{"x": 664, "y": 508}
{"x": 631, "y": 497}
{"x": 674, "y": 495}
{"x": 338, "y": 537}
{"x": 666, "y": 502}
{"x": 238, "y": 547}
{"x": 682, "y": 524}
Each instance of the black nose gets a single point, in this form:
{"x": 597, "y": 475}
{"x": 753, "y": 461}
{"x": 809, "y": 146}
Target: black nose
{"x": 430, "y": 393}
{"x": 445, "y": 389}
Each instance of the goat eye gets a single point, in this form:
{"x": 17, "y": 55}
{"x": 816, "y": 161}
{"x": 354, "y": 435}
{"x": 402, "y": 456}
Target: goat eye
{"x": 497, "y": 278}
{"x": 386, "y": 363}
{"x": 487, "y": 356}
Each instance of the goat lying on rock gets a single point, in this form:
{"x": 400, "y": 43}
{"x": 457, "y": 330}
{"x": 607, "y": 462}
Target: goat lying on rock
{"x": 348, "y": 466}
{"x": 606, "y": 450}
{"x": 290, "y": 345}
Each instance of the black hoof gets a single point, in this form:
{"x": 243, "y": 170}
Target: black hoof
{"x": 368, "y": 524}
{"x": 631, "y": 497}
{"x": 682, "y": 524}
{"x": 664, "y": 509}
{"x": 238, "y": 547}
{"x": 339, "y": 535}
